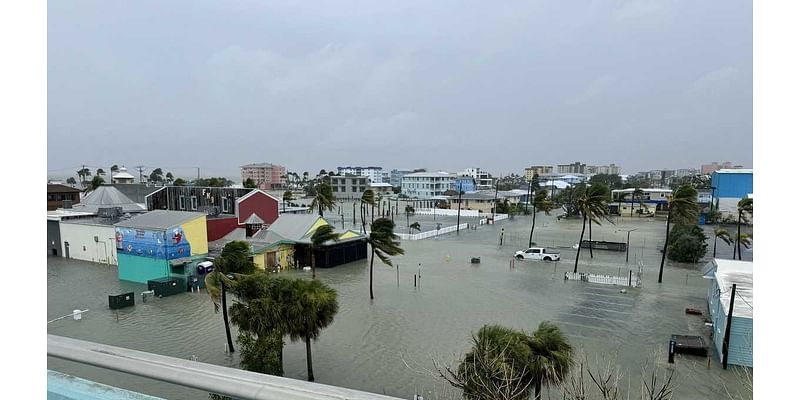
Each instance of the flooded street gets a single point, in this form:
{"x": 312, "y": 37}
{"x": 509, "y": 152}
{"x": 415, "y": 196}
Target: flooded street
{"x": 387, "y": 345}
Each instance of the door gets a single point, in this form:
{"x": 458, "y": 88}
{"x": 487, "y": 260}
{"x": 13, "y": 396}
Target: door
{"x": 270, "y": 260}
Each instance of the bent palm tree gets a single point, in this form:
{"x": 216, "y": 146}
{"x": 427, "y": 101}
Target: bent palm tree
{"x": 321, "y": 235}
{"x": 721, "y": 233}
{"x": 636, "y": 195}
{"x": 745, "y": 211}
{"x": 592, "y": 206}
{"x": 744, "y": 239}
{"x": 367, "y": 199}
{"x": 551, "y": 357}
{"x": 315, "y": 306}
{"x": 409, "y": 210}
{"x": 384, "y": 243}
{"x": 415, "y": 226}
{"x": 323, "y": 198}
{"x": 684, "y": 209}
{"x": 216, "y": 285}
{"x": 540, "y": 203}
{"x": 287, "y": 197}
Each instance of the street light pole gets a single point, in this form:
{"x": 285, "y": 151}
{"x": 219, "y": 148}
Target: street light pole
{"x": 627, "y": 243}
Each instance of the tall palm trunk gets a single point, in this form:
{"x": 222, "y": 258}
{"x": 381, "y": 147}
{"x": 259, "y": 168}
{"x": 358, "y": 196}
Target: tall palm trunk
{"x": 631, "y": 205}
{"x": 666, "y": 240}
{"x": 738, "y": 242}
{"x": 308, "y": 358}
{"x": 313, "y": 264}
{"x": 715, "y": 247}
{"x": 591, "y": 251}
{"x": 363, "y": 218}
{"x": 225, "y": 317}
{"x": 372, "y": 214}
{"x": 354, "y": 213}
{"x": 537, "y": 390}
{"x": 578, "y": 256}
{"x": 371, "y": 261}
{"x": 533, "y": 224}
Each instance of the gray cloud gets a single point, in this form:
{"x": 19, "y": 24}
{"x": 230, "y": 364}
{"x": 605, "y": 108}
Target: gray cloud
{"x": 645, "y": 84}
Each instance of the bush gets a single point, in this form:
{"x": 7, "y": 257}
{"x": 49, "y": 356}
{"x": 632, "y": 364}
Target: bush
{"x": 686, "y": 244}
{"x": 261, "y": 353}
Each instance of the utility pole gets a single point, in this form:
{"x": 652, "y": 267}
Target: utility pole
{"x": 141, "y": 171}
{"x": 458, "y": 219}
{"x": 494, "y": 206}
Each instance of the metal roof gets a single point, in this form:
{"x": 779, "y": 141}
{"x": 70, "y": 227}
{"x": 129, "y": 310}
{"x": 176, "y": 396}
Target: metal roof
{"x": 728, "y": 272}
{"x": 160, "y": 219}
{"x": 734, "y": 171}
{"x": 59, "y": 188}
{"x": 253, "y": 219}
{"x": 105, "y": 197}
{"x": 294, "y": 226}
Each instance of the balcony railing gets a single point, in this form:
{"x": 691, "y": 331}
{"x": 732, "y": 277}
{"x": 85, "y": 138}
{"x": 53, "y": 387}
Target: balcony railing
{"x": 239, "y": 384}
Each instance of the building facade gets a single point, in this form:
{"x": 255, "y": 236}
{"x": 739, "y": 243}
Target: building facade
{"x": 723, "y": 274}
{"x": 62, "y": 196}
{"x": 530, "y": 172}
{"x": 396, "y": 176}
{"x": 728, "y": 186}
{"x": 427, "y": 184}
{"x": 574, "y": 168}
{"x": 349, "y": 187}
{"x": 464, "y": 183}
{"x": 122, "y": 176}
{"x": 483, "y": 180}
{"x": 266, "y": 176}
{"x": 375, "y": 174}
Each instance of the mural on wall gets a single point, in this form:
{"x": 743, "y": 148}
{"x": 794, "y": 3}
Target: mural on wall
{"x": 169, "y": 244}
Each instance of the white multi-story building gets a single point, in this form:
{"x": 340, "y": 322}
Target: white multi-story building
{"x": 482, "y": 179}
{"x": 375, "y": 174}
{"x": 424, "y": 185}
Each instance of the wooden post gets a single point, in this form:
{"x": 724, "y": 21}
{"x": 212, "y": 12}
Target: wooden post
{"x": 727, "y": 339}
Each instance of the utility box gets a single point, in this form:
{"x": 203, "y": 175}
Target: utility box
{"x": 123, "y": 300}
{"x": 163, "y": 287}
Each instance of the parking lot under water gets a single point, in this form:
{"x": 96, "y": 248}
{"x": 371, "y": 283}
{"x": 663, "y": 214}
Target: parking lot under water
{"x": 387, "y": 345}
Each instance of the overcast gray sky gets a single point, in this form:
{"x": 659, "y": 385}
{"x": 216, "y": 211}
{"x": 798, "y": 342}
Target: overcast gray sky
{"x": 436, "y": 84}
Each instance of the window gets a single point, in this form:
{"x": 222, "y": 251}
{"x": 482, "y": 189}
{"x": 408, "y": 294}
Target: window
{"x": 335, "y": 188}
{"x": 194, "y": 202}
{"x": 224, "y": 205}
{"x": 182, "y": 202}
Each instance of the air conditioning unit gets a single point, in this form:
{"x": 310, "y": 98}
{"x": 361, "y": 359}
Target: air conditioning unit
{"x": 67, "y": 203}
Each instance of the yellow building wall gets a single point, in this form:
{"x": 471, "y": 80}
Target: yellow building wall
{"x": 197, "y": 235}
{"x": 284, "y": 256}
{"x": 260, "y": 261}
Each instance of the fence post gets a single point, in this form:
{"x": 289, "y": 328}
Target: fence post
{"x": 630, "y": 276}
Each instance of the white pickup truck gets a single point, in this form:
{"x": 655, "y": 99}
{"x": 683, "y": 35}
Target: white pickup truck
{"x": 538, "y": 253}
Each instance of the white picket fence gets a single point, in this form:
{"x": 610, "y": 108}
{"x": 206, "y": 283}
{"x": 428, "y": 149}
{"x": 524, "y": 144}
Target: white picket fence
{"x": 633, "y": 280}
{"x": 448, "y": 212}
{"x": 430, "y": 234}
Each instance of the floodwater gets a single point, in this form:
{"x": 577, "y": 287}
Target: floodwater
{"x": 388, "y": 345}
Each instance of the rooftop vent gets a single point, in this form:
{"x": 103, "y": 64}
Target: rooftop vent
{"x": 109, "y": 212}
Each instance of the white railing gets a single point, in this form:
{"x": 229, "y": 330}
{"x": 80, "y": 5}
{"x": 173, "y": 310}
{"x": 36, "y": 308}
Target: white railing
{"x": 432, "y": 233}
{"x": 632, "y": 280}
{"x": 236, "y": 383}
{"x": 448, "y": 212}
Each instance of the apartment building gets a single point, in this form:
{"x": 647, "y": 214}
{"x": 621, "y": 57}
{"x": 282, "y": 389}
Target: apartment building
{"x": 540, "y": 170}
{"x": 375, "y": 174}
{"x": 425, "y": 185}
{"x": 267, "y": 176}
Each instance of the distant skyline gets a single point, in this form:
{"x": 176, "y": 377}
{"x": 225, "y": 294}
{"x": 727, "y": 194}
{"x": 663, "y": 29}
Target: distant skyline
{"x": 439, "y": 85}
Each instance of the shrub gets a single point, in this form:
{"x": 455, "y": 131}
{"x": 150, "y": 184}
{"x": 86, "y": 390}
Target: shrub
{"x": 686, "y": 244}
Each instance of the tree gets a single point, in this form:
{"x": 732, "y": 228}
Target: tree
{"x": 415, "y": 226}
{"x": 323, "y": 199}
{"x": 114, "y": 169}
{"x": 96, "y": 182}
{"x": 384, "y": 243}
{"x": 179, "y": 182}
{"x": 100, "y": 172}
{"x": 592, "y": 205}
{"x": 684, "y": 209}
{"x": 234, "y": 259}
{"x": 687, "y": 243}
{"x": 636, "y": 195}
{"x": 367, "y": 198}
{"x": 613, "y": 181}
{"x": 170, "y": 177}
{"x": 157, "y": 175}
{"x": 551, "y": 356}
{"x": 84, "y": 173}
{"x": 249, "y": 183}
{"x": 408, "y": 210}
{"x": 539, "y": 203}
{"x": 321, "y": 235}
{"x": 744, "y": 239}
{"x": 721, "y": 233}
{"x": 287, "y": 197}
{"x": 745, "y": 211}
{"x": 71, "y": 181}
{"x": 316, "y": 306}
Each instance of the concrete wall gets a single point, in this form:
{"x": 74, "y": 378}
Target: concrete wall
{"x": 141, "y": 269}
{"x": 82, "y": 244}
{"x": 54, "y": 238}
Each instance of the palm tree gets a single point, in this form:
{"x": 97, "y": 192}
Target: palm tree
{"x": 540, "y": 203}
{"x": 415, "y": 226}
{"x": 744, "y": 239}
{"x": 323, "y": 198}
{"x": 287, "y": 197}
{"x": 84, "y": 173}
{"x": 721, "y": 233}
{"x": 170, "y": 177}
{"x": 234, "y": 260}
{"x": 95, "y": 183}
{"x": 745, "y": 210}
{"x": 684, "y": 209}
{"x": 321, "y": 235}
{"x": 551, "y": 356}
{"x": 114, "y": 169}
{"x": 316, "y": 306}
{"x": 636, "y": 195}
{"x": 384, "y": 243}
{"x": 71, "y": 181}
{"x": 592, "y": 204}
{"x": 496, "y": 366}
{"x": 409, "y": 210}
{"x": 100, "y": 172}
{"x": 367, "y": 198}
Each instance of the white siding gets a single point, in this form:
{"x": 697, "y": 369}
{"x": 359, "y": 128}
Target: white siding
{"x": 82, "y": 245}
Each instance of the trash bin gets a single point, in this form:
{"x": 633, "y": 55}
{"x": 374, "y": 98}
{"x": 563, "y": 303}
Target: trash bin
{"x": 121, "y": 300}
